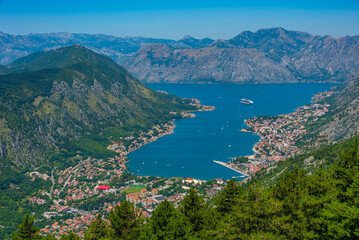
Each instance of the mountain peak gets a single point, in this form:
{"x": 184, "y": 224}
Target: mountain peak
{"x": 60, "y": 57}
{"x": 194, "y": 42}
{"x": 187, "y": 37}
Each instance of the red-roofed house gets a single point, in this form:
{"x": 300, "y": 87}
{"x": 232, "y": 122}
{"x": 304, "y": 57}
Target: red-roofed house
{"x": 103, "y": 187}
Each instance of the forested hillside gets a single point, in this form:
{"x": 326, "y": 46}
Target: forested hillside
{"x": 63, "y": 97}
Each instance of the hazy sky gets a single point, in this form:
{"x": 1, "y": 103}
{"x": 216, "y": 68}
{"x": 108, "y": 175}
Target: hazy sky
{"x": 173, "y": 18}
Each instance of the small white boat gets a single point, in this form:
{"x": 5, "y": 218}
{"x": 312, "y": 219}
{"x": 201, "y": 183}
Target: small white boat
{"x": 246, "y": 101}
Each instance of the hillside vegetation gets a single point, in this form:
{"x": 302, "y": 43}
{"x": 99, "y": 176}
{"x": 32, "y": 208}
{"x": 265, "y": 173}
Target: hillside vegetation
{"x": 73, "y": 101}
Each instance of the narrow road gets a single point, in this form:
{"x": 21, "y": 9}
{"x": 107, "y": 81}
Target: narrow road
{"x": 66, "y": 182}
{"x": 53, "y": 183}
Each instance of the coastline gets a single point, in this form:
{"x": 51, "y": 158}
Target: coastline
{"x": 280, "y": 134}
{"x": 150, "y": 136}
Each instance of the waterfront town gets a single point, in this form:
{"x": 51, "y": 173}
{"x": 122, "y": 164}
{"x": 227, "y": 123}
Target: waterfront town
{"x": 279, "y": 135}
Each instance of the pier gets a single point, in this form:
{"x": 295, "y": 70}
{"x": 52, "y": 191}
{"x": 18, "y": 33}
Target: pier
{"x": 231, "y": 167}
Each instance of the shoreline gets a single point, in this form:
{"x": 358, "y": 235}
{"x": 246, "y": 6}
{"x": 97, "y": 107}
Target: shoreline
{"x": 162, "y": 130}
{"x": 280, "y": 134}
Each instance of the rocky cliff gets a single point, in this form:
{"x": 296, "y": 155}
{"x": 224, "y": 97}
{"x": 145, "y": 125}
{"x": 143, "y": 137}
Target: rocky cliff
{"x": 213, "y": 64}
{"x": 343, "y": 121}
{"x": 266, "y": 56}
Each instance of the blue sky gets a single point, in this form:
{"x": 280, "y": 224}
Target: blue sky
{"x": 174, "y": 19}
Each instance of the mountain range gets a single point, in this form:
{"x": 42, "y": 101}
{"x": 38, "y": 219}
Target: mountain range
{"x": 72, "y": 99}
{"x": 271, "y": 55}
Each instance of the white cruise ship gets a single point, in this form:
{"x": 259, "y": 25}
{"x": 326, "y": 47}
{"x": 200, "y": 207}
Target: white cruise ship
{"x": 246, "y": 101}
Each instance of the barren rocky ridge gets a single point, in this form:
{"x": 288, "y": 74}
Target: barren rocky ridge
{"x": 267, "y": 56}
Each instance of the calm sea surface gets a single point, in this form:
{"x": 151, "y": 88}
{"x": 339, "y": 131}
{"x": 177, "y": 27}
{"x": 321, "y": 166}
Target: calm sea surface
{"x": 196, "y": 142}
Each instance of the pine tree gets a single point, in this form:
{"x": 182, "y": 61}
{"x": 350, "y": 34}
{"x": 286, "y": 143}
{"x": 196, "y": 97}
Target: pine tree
{"x": 97, "y": 230}
{"x": 291, "y": 190}
{"x": 193, "y": 209}
{"x": 125, "y": 222}
{"x": 161, "y": 219}
{"x": 341, "y": 215}
{"x": 252, "y": 217}
{"x": 165, "y": 223}
{"x": 26, "y": 230}
{"x": 226, "y": 199}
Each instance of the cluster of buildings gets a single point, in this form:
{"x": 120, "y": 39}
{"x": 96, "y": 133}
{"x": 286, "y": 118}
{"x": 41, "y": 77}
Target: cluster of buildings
{"x": 80, "y": 181}
{"x": 77, "y": 224}
{"x": 193, "y": 181}
{"x": 322, "y": 95}
{"x": 135, "y": 198}
{"x": 37, "y": 200}
{"x": 150, "y": 199}
{"x": 43, "y": 176}
{"x": 195, "y": 102}
{"x": 280, "y": 134}
{"x": 143, "y": 138}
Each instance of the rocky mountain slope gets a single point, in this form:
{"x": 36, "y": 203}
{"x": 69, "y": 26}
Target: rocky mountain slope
{"x": 213, "y": 64}
{"x": 267, "y": 56}
{"x": 70, "y": 99}
{"x": 343, "y": 120}
{"x": 117, "y": 48}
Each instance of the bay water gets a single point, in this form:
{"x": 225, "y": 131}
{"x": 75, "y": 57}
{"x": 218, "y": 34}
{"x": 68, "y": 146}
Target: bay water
{"x": 214, "y": 135}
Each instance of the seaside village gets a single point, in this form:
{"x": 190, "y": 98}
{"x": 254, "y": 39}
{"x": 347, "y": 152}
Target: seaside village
{"x": 279, "y": 135}
{"x": 87, "y": 187}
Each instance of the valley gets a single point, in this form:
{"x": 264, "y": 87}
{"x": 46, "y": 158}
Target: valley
{"x": 70, "y": 118}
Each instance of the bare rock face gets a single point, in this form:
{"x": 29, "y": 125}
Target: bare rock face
{"x": 161, "y": 63}
{"x": 267, "y": 56}
{"x": 344, "y": 122}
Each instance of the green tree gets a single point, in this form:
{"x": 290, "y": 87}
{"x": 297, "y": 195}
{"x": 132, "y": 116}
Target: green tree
{"x": 291, "y": 190}
{"x": 165, "y": 223}
{"x": 70, "y": 236}
{"x": 160, "y": 221}
{"x": 253, "y": 217}
{"x": 193, "y": 210}
{"x": 125, "y": 222}
{"x": 227, "y": 198}
{"x": 26, "y": 230}
{"x": 49, "y": 237}
{"x": 341, "y": 215}
{"x": 97, "y": 229}
{"x": 319, "y": 193}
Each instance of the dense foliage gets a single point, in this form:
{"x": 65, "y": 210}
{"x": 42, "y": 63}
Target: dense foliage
{"x": 323, "y": 205}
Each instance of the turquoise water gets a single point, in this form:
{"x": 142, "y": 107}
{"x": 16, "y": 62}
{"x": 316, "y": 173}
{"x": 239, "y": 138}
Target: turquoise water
{"x": 196, "y": 142}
